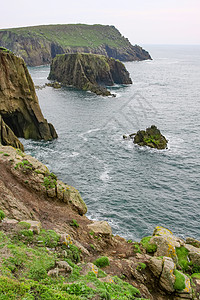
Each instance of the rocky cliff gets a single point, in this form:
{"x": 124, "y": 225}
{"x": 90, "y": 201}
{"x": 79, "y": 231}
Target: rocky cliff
{"x": 47, "y": 238}
{"x": 37, "y": 45}
{"x": 19, "y": 107}
{"x": 88, "y": 72}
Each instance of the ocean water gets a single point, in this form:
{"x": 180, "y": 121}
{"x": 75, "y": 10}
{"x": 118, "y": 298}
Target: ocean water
{"x": 133, "y": 188}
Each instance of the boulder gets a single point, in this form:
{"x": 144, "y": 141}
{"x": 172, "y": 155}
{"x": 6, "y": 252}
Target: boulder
{"x": 19, "y": 106}
{"x": 156, "y": 266}
{"x": 36, "y": 226}
{"x": 194, "y": 254}
{"x": 89, "y": 267}
{"x": 152, "y": 138}
{"x": 101, "y": 228}
{"x": 166, "y": 243}
{"x": 64, "y": 266}
{"x": 89, "y": 72}
{"x": 167, "y": 278}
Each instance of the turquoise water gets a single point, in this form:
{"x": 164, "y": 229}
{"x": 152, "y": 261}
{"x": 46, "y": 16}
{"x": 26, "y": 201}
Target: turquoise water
{"x": 133, "y": 188}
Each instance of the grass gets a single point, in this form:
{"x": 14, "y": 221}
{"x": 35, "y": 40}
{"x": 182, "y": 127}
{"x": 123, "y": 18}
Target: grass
{"x": 73, "y": 35}
{"x": 182, "y": 255}
{"x": 2, "y": 215}
{"x": 150, "y": 248}
{"x": 74, "y": 223}
{"x": 102, "y": 262}
{"x": 179, "y": 281}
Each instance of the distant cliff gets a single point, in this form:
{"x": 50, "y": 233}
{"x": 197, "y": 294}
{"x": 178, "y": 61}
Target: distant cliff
{"x": 19, "y": 107}
{"x": 37, "y": 45}
{"x": 89, "y": 72}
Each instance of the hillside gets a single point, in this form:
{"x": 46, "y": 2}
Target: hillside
{"x": 37, "y": 45}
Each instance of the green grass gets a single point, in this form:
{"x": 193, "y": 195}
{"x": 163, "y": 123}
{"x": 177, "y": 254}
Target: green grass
{"x": 74, "y": 223}
{"x": 24, "y": 268}
{"x": 179, "y": 282}
{"x": 182, "y": 254}
{"x": 2, "y": 215}
{"x": 73, "y": 35}
{"x": 102, "y": 262}
{"x": 150, "y": 248}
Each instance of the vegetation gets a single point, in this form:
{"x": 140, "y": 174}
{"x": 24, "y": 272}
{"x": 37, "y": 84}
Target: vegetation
{"x": 141, "y": 266}
{"x": 2, "y": 215}
{"x": 24, "y": 270}
{"x": 102, "y": 262}
{"x": 150, "y": 248}
{"x": 78, "y": 35}
{"x": 180, "y": 281}
{"x": 74, "y": 223}
{"x": 182, "y": 254}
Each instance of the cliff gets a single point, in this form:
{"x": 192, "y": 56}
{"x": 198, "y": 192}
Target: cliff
{"x": 49, "y": 249}
{"x": 37, "y": 45}
{"x": 19, "y": 107}
{"x": 88, "y": 72}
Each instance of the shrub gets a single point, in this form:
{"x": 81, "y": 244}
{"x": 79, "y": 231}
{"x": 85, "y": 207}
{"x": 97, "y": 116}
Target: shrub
{"x": 150, "y": 248}
{"x": 2, "y": 215}
{"x": 24, "y": 225}
{"x": 179, "y": 281}
{"x": 102, "y": 261}
{"x": 136, "y": 248}
{"x": 73, "y": 253}
{"x": 37, "y": 272}
{"x": 49, "y": 238}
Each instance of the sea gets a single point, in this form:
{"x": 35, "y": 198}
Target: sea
{"x": 134, "y": 188}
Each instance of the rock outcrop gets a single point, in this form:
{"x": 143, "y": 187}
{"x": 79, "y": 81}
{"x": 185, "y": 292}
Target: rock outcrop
{"x": 88, "y": 72}
{"x": 37, "y": 45}
{"x": 19, "y": 107}
{"x": 151, "y": 138}
{"x": 7, "y": 137}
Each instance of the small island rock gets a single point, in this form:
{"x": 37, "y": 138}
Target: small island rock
{"x": 152, "y": 137}
{"x": 89, "y": 72}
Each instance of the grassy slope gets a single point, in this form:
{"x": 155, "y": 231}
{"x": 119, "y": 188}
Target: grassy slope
{"x": 78, "y": 35}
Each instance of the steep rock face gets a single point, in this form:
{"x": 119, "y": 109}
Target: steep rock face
{"x": 88, "y": 72}
{"x": 19, "y": 105}
{"x": 7, "y": 137}
{"x": 37, "y": 45}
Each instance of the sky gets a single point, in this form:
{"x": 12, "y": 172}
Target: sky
{"x": 141, "y": 21}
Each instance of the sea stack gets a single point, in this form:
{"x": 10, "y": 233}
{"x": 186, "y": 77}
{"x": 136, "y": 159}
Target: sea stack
{"x": 89, "y": 72}
{"x": 19, "y": 106}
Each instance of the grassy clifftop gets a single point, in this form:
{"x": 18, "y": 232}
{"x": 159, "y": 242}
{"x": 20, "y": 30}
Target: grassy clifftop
{"x": 39, "y": 44}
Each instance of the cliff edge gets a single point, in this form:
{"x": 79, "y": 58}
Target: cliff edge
{"x": 37, "y": 45}
{"x": 19, "y": 106}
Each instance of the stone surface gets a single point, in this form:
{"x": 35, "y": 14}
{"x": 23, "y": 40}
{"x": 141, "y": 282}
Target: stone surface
{"x": 192, "y": 242}
{"x": 156, "y": 266}
{"x": 100, "y": 227}
{"x": 151, "y": 138}
{"x": 167, "y": 278}
{"x": 89, "y": 267}
{"x": 19, "y": 106}
{"x": 35, "y": 226}
{"x": 88, "y": 72}
{"x": 64, "y": 265}
{"x": 7, "y": 136}
{"x": 37, "y": 45}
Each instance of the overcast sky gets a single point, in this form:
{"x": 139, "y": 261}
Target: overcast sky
{"x": 142, "y": 21}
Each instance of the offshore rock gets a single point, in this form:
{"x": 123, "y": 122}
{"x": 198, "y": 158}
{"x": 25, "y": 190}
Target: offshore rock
{"x": 152, "y": 137}
{"x": 37, "y": 45}
{"x": 88, "y": 72}
{"x": 19, "y": 106}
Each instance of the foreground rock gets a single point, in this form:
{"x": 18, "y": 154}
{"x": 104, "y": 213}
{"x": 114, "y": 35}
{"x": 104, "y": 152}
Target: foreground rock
{"x": 19, "y": 107}
{"x": 88, "y": 72}
{"x": 37, "y": 45}
{"x": 151, "y": 137}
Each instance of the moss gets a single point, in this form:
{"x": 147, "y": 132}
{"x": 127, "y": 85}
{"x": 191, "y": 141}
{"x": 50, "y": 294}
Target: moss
{"x": 102, "y": 261}
{"x": 195, "y": 275}
{"x": 141, "y": 266}
{"x": 179, "y": 281}
{"x": 136, "y": 248}
{"x": 150, "y": 248}
{"x": 182, "y": 255}
{"x": 24, "y": 225}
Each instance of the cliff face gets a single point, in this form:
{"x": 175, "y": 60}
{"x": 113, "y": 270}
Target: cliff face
{"x": 37, "y": 45}
{"x": 88, "y": 72}
{"x": 19, "y": 105}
